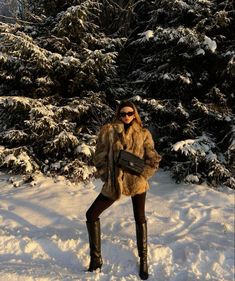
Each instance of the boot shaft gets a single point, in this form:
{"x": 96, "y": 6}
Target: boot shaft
{"x": 93, "y": 229}
{"x": 141, "y": 236}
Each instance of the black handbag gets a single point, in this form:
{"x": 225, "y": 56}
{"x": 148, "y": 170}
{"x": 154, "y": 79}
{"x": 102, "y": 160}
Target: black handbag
{"x": 130, "y": 162}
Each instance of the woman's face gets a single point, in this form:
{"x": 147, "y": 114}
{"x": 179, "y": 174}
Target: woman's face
{"x": 127, "y": 114}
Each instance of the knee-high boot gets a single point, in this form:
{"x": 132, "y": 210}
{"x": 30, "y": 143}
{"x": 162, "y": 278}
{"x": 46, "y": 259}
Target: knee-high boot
{"x": 141, "y": 235}
{"x": 95, "y": 245}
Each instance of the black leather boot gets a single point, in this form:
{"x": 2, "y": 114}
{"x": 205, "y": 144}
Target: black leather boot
{"x": 141, "y": 235}
{"x": 95, "y": 245}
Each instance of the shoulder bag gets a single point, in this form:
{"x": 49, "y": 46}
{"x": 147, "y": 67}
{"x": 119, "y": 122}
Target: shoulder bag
{"x": 130, "y": 162}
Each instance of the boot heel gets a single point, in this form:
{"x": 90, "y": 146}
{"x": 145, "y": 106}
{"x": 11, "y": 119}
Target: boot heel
{"x": 94, "y": 265}
{"x": 94, "y": 268}
{"x": 143, "y": 273}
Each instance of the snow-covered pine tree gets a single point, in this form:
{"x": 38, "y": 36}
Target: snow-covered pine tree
{"x": 62, "y": 74}
{"x": 74, "y": 54}
{"x": 52, "y": 75}
{"x": 180, "y": 60}
{"x": 54, "y": 135}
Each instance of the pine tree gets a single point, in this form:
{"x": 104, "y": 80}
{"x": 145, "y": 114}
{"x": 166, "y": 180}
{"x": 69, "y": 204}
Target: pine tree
{"x": 52, "y": 76}
{"x": 64, "y": 67}
{"x": 180, "y": 60}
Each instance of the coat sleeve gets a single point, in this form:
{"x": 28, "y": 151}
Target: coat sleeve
{"x": 100, "y": 156}
{"x": 152, "y": 158}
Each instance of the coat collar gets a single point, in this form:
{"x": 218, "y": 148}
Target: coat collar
{"x": 119, "y": 126}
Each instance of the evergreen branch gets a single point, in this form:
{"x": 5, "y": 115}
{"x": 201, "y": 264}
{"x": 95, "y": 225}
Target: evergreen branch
{"x": 18, "y": 20}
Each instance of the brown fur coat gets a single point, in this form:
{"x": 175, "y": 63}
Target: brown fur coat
{"x": 138, "y": 140}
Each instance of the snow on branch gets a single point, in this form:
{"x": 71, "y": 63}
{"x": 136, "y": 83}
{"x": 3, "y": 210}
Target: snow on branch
{"x": 17, "y": 160}
{"x": 202, "y": 160}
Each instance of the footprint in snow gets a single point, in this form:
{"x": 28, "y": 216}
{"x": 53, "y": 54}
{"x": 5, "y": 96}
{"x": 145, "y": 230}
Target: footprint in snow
{"x": 11, "y": 208}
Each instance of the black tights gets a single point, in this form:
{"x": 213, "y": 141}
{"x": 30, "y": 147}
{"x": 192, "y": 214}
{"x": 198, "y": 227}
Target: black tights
{"x": 102, "y": 202}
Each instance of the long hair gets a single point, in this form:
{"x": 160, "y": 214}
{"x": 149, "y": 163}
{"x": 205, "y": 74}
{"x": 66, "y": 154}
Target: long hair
{"x": 123, "y": 104}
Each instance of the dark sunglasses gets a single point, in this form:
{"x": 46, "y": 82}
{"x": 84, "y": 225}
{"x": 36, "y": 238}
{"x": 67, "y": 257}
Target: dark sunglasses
{"x": 123, "y": 114}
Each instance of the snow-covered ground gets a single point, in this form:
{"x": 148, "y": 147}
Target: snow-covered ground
{"x": 43, "y": 234}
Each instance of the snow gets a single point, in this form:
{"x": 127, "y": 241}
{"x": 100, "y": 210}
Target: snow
{"x": 200, "y": 51}
{"x": 200, "y": 146}
{"x": 46, "y": 80}
{"x": 185, "y": 79}
{"x": 148, "y": 34}
{"x": 192, "y": 178}
{"x": 22, "y": 159}
{"x": 67, "y": 60}
{"x": 180, "y": 144}
{"x": 43, "y": 232}
{"x": 145, "y": 36}
{"x": 84, "y": 149}
{"x": 166, "y": 76}
{"x": 211, "y": 44}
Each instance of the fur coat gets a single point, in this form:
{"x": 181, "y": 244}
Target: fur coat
{"x": 138, "y": 140}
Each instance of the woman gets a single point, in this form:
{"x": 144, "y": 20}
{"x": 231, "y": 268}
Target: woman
{"x": 125, "y": 132}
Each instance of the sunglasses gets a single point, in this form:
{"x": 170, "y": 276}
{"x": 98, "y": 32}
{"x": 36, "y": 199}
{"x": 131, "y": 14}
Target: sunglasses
{"x": 123, "y": 114}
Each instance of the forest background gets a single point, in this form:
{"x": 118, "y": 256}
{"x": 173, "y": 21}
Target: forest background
{"x": 65, "y": 65}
